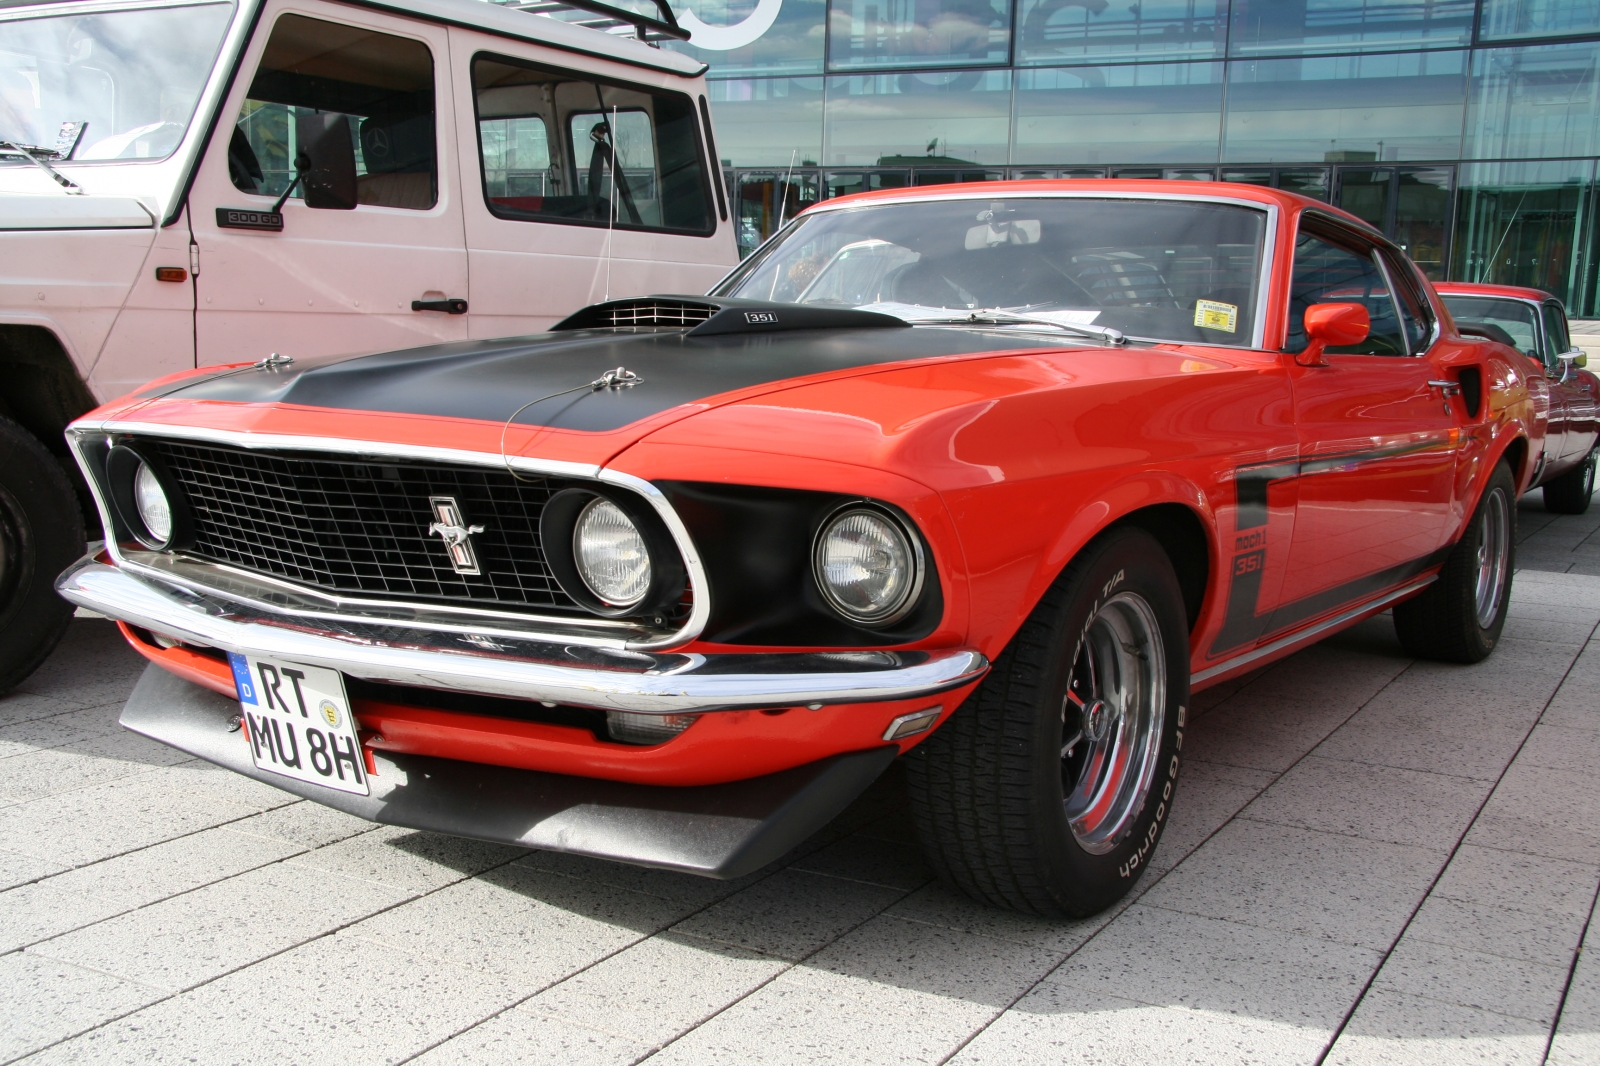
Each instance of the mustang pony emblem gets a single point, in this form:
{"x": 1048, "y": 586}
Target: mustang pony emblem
{"x": 457, "y": 535}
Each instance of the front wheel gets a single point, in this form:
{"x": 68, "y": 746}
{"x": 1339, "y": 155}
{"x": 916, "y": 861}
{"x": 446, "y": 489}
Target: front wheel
{"x": 1570, "y": 493}
{"x": 41, "y": 534}
{"x": 1048, "y": 788}
{"x": 1458, "y": 618}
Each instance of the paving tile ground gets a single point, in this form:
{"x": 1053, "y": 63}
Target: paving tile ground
{"x": 1371, "y": 860}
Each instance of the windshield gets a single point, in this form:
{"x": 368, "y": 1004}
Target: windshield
{"x": 1160, "y": 269}
{"x": 115, "y": 85}
{"x": 1513, "y": 318}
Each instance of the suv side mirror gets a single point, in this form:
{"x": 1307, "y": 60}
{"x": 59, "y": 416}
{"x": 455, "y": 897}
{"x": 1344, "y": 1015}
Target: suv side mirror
{"x": 1332, "y": 325}
{"x": 327, "y": 161}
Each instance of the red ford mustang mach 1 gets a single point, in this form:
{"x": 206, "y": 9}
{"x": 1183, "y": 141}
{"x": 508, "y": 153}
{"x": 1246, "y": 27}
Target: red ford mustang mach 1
{"x": 992, "y": 477}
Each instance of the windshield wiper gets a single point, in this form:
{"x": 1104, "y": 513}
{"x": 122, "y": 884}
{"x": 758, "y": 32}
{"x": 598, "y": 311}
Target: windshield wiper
{"x": 32, "y": 154}
{"x": 993, "y": 316}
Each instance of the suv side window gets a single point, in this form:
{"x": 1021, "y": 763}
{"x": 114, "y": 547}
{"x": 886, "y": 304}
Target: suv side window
{"x": 1556, "y": 338}
{"x": 549, "y": 152}
{"x": 382, "y": 82}
{"x": 1325, "y": 272}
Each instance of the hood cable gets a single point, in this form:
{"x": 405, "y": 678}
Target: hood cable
{"x": 613, "y": 380}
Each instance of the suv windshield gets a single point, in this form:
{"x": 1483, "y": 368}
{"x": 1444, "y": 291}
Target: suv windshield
{"x": 112, "y": 85}
{"x": 1170, "y": 270}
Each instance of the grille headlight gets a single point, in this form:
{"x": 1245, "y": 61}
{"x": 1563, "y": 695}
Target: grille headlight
{"x": 150, "y": 499}
{"x": 611, "y": 554}
{"x": 867, "y": 567}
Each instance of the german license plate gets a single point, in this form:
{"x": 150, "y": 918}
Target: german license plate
{"x": 298, "y": 722}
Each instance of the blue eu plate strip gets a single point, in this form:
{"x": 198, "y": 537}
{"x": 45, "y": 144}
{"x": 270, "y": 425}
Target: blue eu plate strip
{"x": 241, "y": 677}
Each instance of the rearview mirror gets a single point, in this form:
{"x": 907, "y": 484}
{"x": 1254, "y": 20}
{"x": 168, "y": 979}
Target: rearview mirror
{"x": 1017, "y": 231}
{"x": 1330, "y": 326}
{"x": 327, "y": 161}
{"x": 1571, "y": 361}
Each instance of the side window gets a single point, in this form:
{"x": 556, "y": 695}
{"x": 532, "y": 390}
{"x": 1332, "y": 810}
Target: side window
{"x": 550, "y": 152}
{"x": 1329, "y": 273}
{"x": 1416, "y": 315}
{"x": 382, "y": 82}
{"x": 1556, "y": 339}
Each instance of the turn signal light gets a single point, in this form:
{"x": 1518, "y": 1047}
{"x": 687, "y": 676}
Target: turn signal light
{"x": 171, "y": 274}
{"x": 909, "y": 725}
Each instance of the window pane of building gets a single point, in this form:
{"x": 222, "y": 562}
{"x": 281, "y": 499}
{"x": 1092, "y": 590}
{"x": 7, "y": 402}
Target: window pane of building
{"x": 1345, "y": 109}
{"x": 918, "y": 33}
{"x": 1421, "y": 212}
{"x": 768, "y": 121}
{"x": 1523, "y": 224}
{"x": 1307, "y": 181}
{"x": 747, "y": 37}
{"x": 1504, "y": 19}
{"x": 1149, "y": 113}
{"x": 1300, "y": 26}
{"x": 1535, "y": 101}
{"x": 1062, "y": 31}
{"x": 947, "y": 119}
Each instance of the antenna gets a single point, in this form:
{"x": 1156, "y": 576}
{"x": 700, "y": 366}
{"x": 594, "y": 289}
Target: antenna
{"x": 611, "y": 210}
{"x": 783, "y": 194}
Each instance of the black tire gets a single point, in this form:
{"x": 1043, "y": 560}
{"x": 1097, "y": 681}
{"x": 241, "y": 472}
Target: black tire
{"x": 1570, "y": 493}
{"x": 1450, "y": 621}
{"x": 41, "y": 534}
{"x": 990, "y": 790}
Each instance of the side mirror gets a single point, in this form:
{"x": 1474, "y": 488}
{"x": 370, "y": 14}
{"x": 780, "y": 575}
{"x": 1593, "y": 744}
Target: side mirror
{"x": 1330, "y": 326}
{"x": 1572, "y": 360}
{"x": 327, "y": 161}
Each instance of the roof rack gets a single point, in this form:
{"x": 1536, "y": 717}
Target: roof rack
{"x": 606, "y": 17}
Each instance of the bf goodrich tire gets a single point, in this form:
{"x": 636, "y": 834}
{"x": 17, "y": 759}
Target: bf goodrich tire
{"x": 1570, "y": 493}
{"x": 1458, "y": 618}
{"x": 1047, "y": 790}
{"x": 41, "y": 534}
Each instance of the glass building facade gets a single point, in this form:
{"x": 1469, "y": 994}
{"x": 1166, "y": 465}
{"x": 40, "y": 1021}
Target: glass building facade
{"x": 1468, "y": 130}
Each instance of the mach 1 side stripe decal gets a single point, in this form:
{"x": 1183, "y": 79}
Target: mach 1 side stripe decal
{"x": 1242, "y": 625}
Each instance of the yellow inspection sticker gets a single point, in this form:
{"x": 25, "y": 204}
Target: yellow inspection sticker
{"x": 1209, "y": 314}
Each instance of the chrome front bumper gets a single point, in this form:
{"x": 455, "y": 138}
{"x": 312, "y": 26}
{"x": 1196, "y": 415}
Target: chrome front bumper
{"x": 498, "y": 665}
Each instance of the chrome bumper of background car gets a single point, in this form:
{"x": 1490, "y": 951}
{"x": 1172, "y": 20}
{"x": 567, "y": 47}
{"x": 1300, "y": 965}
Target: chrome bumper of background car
{"x": 573, "y": 675}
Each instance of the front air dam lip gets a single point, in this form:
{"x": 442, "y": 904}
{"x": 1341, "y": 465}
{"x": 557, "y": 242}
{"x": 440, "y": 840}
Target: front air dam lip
{"x": 721, "y": 831}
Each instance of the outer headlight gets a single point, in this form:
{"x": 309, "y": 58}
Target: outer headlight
{"x": 867, "y": 566}
{"x": 611, "y": 554}
{"x": 150, "y": 499}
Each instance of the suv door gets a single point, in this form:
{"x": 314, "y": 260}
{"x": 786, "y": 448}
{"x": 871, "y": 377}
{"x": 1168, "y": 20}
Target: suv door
{"x": 560, "y": 211}
{"x": 332, "y": 281}
{"x": 1378, "y": 441}
{"x": 1573, "y": 390}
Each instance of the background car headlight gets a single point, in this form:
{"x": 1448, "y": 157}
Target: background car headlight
{"x": 611, "y": 554}
{"x": 155, "y": 510}
{"x": 866, "y": 566}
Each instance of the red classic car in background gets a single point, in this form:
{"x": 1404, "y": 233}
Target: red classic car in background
{"x": 1565, "y": 395}
{"x": 989, "y": 476}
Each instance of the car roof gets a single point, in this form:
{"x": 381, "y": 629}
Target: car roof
{"x": 1507, "y": 292}
{"x": 1144, "y": 186}
{"x": 496, "y": 19}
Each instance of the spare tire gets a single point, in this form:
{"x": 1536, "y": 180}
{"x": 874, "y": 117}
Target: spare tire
{"x": 41, "y": 534}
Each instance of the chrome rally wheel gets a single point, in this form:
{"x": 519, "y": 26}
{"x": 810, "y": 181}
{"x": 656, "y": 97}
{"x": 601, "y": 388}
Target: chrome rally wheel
{"x": 1494, "y": 553}
{"x": 1111, "y": 718}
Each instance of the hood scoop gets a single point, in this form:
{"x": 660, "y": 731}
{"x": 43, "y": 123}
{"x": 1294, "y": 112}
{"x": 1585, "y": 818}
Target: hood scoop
{"x": 708, "y": 316}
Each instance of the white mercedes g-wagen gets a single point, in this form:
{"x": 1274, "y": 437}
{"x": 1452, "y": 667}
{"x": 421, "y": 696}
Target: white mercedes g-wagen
{"x": 189, "y": 183}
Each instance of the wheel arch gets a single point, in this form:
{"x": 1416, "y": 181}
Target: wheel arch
{"x": 40, "y": 387}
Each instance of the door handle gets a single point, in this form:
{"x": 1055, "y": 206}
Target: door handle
{"x": 452, "y": 306}
{"x": 1448, "y": 388}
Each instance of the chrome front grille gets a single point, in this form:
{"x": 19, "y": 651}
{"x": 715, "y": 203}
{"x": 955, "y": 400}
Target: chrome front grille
{"x": 353, "y": 525}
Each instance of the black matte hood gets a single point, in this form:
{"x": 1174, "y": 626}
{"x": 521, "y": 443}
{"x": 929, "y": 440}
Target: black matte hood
{"x": 490, "y": 380}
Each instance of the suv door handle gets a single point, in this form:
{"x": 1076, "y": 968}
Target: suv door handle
{"x": 452, "y": 306}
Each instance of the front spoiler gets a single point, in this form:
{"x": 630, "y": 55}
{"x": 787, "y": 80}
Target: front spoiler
{"x": 720, "y": 831}
{"x": 569, "y": 674}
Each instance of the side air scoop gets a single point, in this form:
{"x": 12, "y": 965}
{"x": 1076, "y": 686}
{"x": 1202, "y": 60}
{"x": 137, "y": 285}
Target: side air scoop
{"x": 712, "y": 315}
